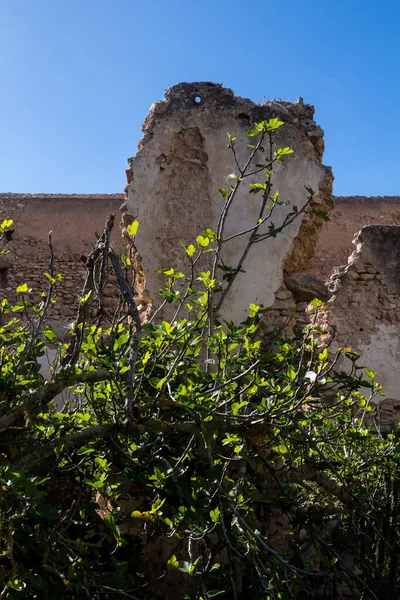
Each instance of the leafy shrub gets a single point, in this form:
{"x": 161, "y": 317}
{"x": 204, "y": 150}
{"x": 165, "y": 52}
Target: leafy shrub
{"x": 195, "y": 457}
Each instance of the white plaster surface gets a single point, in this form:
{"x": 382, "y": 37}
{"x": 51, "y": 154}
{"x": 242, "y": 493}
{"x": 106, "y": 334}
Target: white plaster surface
{"x": 382, "y": 354}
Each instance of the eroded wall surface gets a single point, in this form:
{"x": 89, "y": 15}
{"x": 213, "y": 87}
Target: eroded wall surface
{"x": 74, "y": 220}
{"x": 365, "y": 306}
{"x": 183, "y": 160}
{"x": 349, "y": 215}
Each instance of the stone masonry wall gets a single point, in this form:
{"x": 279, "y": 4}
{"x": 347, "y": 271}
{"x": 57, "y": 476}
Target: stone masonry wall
{"x": 75, "y": 218}
{"x": 183, "y": 160}
{"x": 349, "y": 215}
{"x": 74, "y": 221}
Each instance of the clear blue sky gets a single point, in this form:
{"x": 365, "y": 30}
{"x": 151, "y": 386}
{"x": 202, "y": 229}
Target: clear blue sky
{"x": 77, "y": 78}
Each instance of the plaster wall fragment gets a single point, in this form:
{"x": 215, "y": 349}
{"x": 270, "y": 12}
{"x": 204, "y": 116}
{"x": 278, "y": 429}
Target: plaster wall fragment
{"x": 183, "y": 160}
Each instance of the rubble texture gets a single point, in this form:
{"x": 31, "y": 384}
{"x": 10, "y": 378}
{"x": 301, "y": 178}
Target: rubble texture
{"x": 183, "y": 160}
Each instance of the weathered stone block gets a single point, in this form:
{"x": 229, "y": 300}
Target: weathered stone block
{"x": 306, "y": 287}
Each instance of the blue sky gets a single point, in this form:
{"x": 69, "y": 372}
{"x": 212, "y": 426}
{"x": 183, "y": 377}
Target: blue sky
{"x": 77, "y": 78}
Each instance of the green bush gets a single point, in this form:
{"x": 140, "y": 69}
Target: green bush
{"x": 196, "y": 457}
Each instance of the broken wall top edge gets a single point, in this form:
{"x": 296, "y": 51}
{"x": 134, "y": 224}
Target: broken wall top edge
{"x": 202, "y": 97}
{"x": 357, "y": 200}
{"x": 189, "y": 94}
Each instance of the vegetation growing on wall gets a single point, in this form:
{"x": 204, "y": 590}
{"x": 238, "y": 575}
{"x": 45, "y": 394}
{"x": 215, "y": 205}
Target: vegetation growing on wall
{"x": 196, "y": 458}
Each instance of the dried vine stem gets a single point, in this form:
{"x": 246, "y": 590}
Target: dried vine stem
{"x": 133, "y": 312}
{"x": 90, "y": 289}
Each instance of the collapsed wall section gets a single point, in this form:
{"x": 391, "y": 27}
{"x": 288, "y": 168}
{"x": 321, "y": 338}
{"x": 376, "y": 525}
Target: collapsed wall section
{"x": 349, "y": 215}
{"x": 183, "y": 160}
{"x": 365, "y": 307}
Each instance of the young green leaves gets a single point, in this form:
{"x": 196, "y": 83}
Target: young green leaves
{"x": 132, "y": 228}
{"x": 265, "y": 126}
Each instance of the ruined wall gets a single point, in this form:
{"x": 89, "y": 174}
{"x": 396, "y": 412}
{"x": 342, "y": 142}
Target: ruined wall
{"x": 365, "y": 306}
{"x": 350, "y": 214}
{"x": 74, "y": 221}
{"x": 183, "y": 159}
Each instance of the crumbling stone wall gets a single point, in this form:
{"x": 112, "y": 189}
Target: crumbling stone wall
{"x": 183, "y": 160}
{"x": 349, "y": 215}
{"x": 365, "y": 308}
{"x": 74, "y": 220}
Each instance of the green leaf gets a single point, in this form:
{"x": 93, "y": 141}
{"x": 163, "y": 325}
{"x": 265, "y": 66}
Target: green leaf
{"x": 323, "y": 355}
{"x": 22, "y": 289}
{"x": 230, "y": 439}
{"x": 281, "y": 449}
{"x": 109, "y": 522}
{"x": 370, "y": 373}
{"x": 161, "y": 382}
{"x": 166, "y": 327}
{"x": 50, "y": 278}
{"x": 85, "y": 298}
{"x": 206, "y": 279}
{"x": 215, "y": 515}
{"x": 5, "y": 224}
{"x": 169, "y": 295}
{"x": 95, "y": 484}
{"x": 155, "y": 507}
{"x": 236, "y": 406}
{"x": 257, "y": 187}
{"x": 272, "y": 124}
{"x": 316, "y": 303}
{"x": 283, "y": 151}
{"x": 172, "y": 563}
{"x": 17, "y": 585}
{"x": 190, "y": 250}
{"x": 210, "y": 233}
{"x": 253, "y": 132}
{"x": 49, "y": 333}
{"x": 126, "y": 260}
{"x": 102, "y": 462}
{"x": 202, "y": 242}
{"x": 132, "y": 228}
